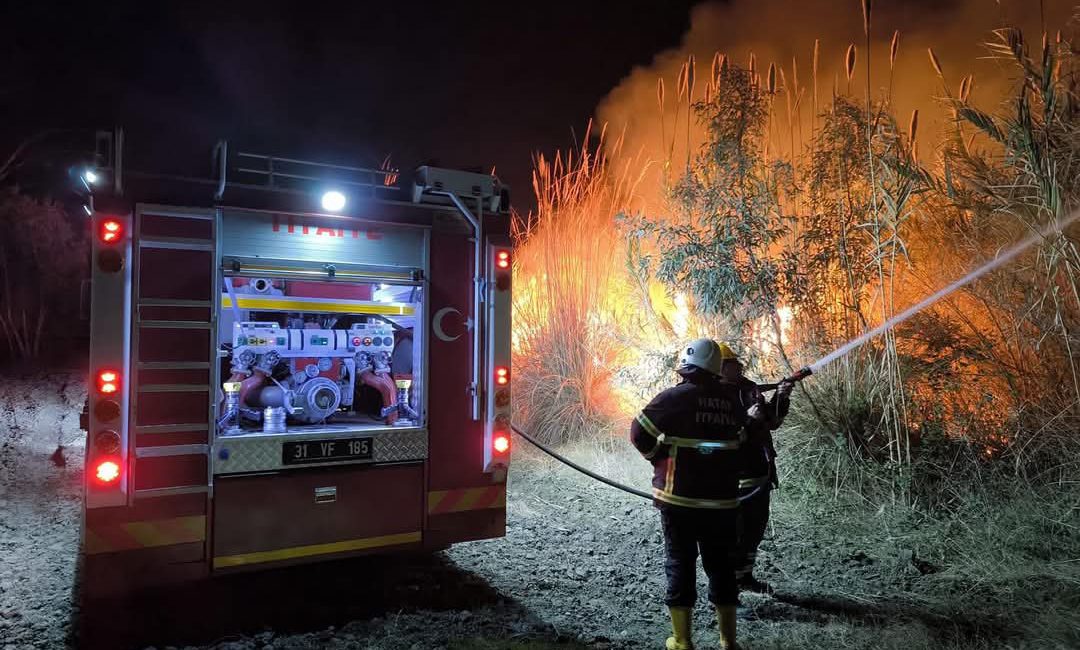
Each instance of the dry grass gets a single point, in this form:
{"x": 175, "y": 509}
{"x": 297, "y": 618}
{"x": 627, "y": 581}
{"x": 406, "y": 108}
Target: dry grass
{"x": 571, "y": 300}
{"x": 999, "y": 556}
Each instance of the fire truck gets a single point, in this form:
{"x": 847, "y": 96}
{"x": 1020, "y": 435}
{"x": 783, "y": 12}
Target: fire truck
{"x": 291, "y": 362}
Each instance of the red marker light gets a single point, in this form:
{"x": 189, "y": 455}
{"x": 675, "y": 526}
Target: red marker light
{"x": 502, "y": 259}
{"x": 107, "y": 471}
{"x": 502, "y": 376}
{"x": 501, "y": 443}
{"x": 111, "y": 231}
{"x": 108, "y": 382}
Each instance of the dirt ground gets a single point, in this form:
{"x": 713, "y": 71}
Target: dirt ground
{"x": 580, "y": 567}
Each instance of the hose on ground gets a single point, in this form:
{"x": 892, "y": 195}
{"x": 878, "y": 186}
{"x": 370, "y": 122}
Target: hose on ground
{"x": 566, "y": 461}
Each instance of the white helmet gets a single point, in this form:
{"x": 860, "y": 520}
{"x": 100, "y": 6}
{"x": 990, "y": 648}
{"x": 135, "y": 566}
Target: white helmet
{"x": 706, "y": 354}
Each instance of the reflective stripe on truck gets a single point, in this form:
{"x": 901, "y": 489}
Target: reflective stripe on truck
{"x": 107, "y": 537}
{"x": 295, "y": 552}
{"x": 481, "y": 498}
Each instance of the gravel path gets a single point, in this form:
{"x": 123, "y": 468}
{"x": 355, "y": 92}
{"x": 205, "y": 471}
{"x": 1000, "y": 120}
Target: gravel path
{"x": 580, "y": 567}
{"x": 39, "y": 508}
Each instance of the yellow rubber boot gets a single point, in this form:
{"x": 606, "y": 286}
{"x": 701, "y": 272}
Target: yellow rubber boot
{"x": 725, "y": 621}
{"x": 681, "y": 625}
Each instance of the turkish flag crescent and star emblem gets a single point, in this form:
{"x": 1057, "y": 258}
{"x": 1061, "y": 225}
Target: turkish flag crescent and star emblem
{"x": 449, "y": 324}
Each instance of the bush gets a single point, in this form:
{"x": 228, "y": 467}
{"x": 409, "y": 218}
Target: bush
{"x": 42, "y": 262}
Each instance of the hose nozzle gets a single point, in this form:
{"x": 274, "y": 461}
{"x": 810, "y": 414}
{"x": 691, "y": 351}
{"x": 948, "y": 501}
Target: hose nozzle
{"x": 800, "y": 375}
{"x": 797, "y": 377}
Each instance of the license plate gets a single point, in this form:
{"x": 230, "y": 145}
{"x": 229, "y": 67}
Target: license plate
{"x": 322, "y": 451}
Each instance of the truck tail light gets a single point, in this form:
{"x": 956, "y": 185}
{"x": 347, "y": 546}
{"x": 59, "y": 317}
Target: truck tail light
{"x": 107, "y": 410}
{"x": 500, "y": 435}
{"x": 111, "y": 231}
{"x": 110, "y": 260}
{"x": 108, "y": 382}
{"x": 502, "y": 268}
{"x": 107, "y": 443}
{"x": 107, "y": 471}
{"x": 502, "y": 375}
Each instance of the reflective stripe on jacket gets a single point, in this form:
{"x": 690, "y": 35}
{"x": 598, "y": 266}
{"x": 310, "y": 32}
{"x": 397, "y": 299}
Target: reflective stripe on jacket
{"x": 692, "y": 433}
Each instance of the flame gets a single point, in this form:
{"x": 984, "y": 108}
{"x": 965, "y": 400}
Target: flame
{"x": 680, "y": 319}
{"x": 572, "y": 298}
{"x": 786, "y": 315}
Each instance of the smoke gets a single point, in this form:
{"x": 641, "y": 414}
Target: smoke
{"x": 780, "y": 31}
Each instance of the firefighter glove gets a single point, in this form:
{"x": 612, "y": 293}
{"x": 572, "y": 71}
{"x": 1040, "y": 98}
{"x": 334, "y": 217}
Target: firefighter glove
{"x": 785, "y": 388}
{"x": 756, "y": 413}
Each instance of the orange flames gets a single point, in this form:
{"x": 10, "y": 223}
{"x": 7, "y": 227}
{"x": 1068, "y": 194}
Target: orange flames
{"x": 589, "y": 329}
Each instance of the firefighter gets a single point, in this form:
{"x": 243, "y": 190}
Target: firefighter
{"x": 757, "y": 478}
{"x": 691, "y": 433}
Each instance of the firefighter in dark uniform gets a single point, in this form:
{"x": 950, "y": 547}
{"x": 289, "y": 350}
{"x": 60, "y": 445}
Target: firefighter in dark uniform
{"x": 757, "y": 478}
{"x": 692, "y": 435}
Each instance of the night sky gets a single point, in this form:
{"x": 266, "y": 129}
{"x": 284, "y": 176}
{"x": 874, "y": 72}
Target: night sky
{"x": 459, "y": 84}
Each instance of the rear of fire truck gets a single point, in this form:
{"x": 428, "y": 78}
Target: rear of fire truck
{"x": 291, "y": 362}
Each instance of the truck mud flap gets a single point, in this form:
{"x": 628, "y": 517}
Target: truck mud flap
{"x": 465, "y": 514}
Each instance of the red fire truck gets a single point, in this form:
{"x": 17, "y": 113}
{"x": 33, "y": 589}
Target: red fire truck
{"x": 290, "y": 362}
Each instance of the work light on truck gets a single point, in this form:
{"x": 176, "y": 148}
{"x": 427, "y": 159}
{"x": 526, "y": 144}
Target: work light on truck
{"x": 333, "y": 201}
{"x": 502, "y": 259}
{"x": 502, "y": 376}
{"x": 501, "y": 443}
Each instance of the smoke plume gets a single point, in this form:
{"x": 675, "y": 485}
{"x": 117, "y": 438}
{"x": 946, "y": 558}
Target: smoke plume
{"x": 783, "y": 32}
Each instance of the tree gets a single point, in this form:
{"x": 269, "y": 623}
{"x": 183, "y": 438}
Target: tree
{"x": 726, "y": 244}
{"x": 42, "y": 261}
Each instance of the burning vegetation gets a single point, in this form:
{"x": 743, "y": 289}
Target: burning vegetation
{"x": 792, "y": 241}
{"x": 809, "y": 224}
{"x": 570, "y": 296}
{"x": 793, "y": 219}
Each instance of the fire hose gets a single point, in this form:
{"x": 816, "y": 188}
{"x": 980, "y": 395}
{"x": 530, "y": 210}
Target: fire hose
{"x": 569, "y": 463}
{"x": 798, "y": 376}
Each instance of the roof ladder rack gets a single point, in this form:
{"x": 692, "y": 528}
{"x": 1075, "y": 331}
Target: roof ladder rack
{"x": 279, "y": 173}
